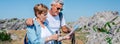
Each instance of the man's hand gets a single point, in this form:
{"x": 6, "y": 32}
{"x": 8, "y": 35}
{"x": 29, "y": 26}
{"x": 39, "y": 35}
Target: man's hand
{"x": 64, "y": 38}
{"x": 65, "y": 29}
{"x": 29, "y": 21}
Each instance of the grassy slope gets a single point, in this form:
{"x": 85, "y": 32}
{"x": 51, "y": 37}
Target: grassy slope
{"x": 21, "y": 34}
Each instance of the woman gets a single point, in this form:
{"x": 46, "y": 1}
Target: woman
{"x": 39, "y": 33}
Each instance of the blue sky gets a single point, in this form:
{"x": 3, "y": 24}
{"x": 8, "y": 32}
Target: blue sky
{"x": 73, "y": 9}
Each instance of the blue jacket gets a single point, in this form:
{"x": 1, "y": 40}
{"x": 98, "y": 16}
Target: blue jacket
{"x": 34, "y": 33}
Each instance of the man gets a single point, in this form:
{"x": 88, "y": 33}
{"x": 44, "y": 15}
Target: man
{"x": 55, "y": 18}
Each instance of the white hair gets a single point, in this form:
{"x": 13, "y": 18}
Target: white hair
{"x": 57, "y": 1}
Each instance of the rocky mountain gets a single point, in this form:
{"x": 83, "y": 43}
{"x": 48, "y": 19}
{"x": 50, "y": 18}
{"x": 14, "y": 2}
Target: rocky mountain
{"x": 12, "y": 24}
{"x": 103, "y": 27}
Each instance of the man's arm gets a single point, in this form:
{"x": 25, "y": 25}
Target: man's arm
{"x": 65, "y": 29}
{"x": 29, "y": 22}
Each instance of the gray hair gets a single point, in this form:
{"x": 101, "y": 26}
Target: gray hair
{"x": 57, "y": 1}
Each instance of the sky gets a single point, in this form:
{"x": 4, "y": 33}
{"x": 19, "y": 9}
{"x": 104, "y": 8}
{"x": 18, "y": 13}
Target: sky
{"x": 73, "y": 9}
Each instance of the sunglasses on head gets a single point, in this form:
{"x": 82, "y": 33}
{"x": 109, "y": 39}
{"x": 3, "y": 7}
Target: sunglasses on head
{"x": 59, "y": 9}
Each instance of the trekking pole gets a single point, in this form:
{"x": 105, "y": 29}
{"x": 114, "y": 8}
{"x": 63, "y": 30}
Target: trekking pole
{"x": 72, "y": 33}
{"x": 56, "y": 42}
{"x": 73, "y": 39}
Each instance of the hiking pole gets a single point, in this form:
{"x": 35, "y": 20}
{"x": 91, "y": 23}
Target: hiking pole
{"x": 56, "y": 42}
{"x": 72, "y": 33}
{"x": 73, "y": 39}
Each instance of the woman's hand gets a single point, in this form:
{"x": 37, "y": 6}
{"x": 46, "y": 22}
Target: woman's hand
{"x": 54, "y": 37}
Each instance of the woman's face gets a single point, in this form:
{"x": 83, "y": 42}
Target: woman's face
{"x": 42, "y": 16}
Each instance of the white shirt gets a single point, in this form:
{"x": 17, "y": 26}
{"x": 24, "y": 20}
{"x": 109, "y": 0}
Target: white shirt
{"x": 45, "y": 33}
{"x": 54, "y": 22}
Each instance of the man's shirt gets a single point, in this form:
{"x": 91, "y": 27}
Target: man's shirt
{"x": 54, "y": 22}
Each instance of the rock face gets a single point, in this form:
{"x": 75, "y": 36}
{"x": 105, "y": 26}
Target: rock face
{"x": 103, "y": 27}
{"x": 12, "y": 24}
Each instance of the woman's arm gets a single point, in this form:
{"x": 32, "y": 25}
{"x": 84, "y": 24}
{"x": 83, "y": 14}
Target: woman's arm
{"x": 31, "y": 34}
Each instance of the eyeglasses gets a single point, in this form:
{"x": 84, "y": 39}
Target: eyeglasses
{"x": 59, "y": 9}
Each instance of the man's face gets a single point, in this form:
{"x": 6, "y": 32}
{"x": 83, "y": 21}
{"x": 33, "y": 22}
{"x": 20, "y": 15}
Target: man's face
{"x": 56, "y": 9}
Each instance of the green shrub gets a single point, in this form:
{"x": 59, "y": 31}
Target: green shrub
{"x": 94, "y": 28}
{"x": 108, "y": 39}
{"x": 107, "y": 24}
{"x": 4, "y": 36}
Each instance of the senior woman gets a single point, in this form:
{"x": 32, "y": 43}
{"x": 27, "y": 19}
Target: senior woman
{"x": 39, "y": 32}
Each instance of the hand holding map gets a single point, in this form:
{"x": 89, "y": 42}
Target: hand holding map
{"x": 73, "y": 29}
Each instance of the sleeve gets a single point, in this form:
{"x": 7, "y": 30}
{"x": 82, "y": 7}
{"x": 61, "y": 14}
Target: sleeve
{"x": 32, "y": 37}
{"x": 63, "y": 21}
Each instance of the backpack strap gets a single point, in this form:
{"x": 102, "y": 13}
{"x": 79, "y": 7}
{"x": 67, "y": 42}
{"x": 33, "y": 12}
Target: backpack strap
{"x": 60, "y": 17}
{"x": 25, "y": 39}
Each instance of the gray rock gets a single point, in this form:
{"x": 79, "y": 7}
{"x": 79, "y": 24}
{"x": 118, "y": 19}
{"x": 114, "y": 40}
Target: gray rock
{"x": 14, "y": 24}
{"x": 99, "y": 20}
